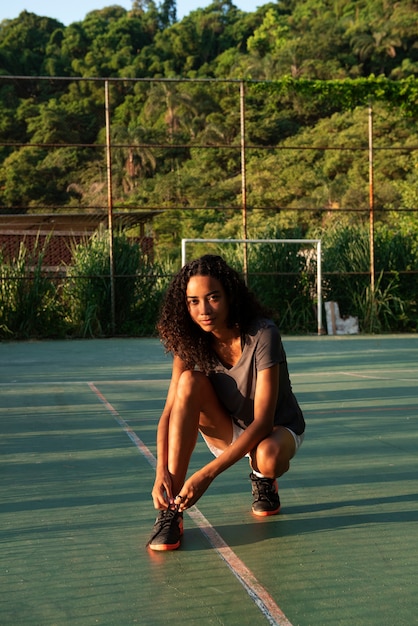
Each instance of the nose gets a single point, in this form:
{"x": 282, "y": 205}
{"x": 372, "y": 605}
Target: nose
{"x": 205, "y": 307}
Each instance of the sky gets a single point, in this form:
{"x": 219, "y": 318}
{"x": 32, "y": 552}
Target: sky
{"x": 76, "y": 10}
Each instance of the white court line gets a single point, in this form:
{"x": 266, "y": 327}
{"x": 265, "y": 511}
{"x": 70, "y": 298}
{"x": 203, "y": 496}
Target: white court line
{"x": 255, "y": 590}
{"x": 390, "y": 377}
{"x": 68, "y": 383}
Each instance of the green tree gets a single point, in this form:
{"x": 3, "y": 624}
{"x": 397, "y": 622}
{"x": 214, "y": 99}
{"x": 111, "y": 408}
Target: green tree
{"x": 23, "y": 44}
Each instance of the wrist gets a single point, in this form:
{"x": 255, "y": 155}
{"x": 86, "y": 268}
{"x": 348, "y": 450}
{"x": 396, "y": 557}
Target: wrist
{"x": 213, "y": 469}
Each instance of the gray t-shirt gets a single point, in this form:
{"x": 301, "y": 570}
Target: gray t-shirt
{"x": 235, "y": 386}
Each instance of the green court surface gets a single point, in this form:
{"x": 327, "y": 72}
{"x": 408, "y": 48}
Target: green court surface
{"x": 77, "y": 426}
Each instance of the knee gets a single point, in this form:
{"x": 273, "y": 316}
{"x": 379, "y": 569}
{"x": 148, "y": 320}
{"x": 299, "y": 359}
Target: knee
{"x": 270, "y": 459}
{"x": 190, "y": 383}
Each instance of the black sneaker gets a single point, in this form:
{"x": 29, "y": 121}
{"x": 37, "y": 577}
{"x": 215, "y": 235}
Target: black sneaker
{"x": 266, "y": 497}
{"x": 168, "y": 529}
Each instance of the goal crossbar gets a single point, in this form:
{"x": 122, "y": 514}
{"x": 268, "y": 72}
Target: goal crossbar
{"x": 314, "y": 242}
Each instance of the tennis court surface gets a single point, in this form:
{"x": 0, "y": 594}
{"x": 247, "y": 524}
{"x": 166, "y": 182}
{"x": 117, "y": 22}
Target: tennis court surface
{"x": 77, "y": 426}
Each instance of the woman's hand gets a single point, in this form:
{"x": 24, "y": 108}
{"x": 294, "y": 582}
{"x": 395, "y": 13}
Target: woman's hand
{"x": 162, "y": 493}
{"x": 193, "y": 489}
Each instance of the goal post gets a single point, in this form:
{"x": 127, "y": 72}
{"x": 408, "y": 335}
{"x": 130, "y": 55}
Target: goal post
{"x": 313, "y": 242}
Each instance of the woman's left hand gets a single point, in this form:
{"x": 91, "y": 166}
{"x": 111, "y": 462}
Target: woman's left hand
{"x": 193, "y": 489}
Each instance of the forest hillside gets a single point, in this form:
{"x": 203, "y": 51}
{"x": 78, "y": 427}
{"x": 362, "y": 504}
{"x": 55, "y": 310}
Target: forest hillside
{"x": 311, "y": 68}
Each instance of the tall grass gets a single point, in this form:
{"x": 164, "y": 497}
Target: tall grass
{"x": 87, "y": 291}
{"x": 392, "y": 306}
{"x": 283, "y": 276}
{"x": 380, "y": 310}
{"x": 151, "y": 287}
{"x": 29, "y": 301}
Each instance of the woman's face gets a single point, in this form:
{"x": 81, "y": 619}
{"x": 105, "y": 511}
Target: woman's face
{"x": 207, "y": 303}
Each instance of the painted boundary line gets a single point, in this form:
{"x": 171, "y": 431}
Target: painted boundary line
{"x": 390, "y": 377}
{"x": 255, "y": 590}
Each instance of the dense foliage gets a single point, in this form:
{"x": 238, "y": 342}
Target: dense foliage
{"x": 310, "y": 70}
{"x": 78, "y": 303}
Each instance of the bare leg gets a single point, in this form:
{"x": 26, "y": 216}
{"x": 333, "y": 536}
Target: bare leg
{"x": 196, "y": 406}
{"x": 272, "y": 455}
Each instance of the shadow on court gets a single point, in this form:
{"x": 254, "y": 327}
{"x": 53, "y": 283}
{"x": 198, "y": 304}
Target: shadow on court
{"x": 76, "y": 475}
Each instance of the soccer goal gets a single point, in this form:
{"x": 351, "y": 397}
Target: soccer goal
{"x": 312, "y": 242}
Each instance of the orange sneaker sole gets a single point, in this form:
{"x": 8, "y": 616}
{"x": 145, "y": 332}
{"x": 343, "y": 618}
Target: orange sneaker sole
{"x": 265, "y": 513}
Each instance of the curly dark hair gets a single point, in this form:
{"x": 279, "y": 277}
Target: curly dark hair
{"x": 180, "y": 335}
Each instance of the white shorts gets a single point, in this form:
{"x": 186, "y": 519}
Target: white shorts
{"x": 238, "y": 430}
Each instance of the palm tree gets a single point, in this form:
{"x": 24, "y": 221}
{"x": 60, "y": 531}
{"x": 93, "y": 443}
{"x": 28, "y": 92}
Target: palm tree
{"x": 179, "y": 107}
{"x": 133, "y": 158}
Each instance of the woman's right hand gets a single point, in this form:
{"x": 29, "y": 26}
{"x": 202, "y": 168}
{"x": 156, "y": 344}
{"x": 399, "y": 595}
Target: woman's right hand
{"x": 162, "y": 494}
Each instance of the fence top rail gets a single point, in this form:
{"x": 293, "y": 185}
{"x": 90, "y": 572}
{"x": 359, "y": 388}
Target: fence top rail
{"x": 130, "y": 79}
{"x": 251, "y": 240}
